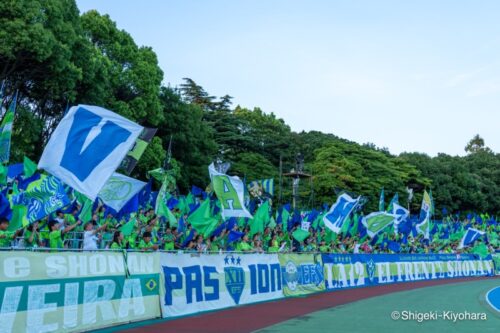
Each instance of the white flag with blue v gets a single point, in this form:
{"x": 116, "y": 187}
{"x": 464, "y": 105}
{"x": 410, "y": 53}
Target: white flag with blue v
{"x": 470, "y": 236}
{"x": 87, "y": 147}
{"x": 339, "y": 212}
{"x": 118, "y": 190}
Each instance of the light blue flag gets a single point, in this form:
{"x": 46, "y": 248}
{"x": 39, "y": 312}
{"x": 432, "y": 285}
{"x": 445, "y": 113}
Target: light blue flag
{"x": 87, "y": 147}
{"x": 339, "y": 212}
{"x": 470, "y": 236}
{"x": 381, "y": 201}
{"x": 118, "y": 190}
{"x": 41, "y": 198}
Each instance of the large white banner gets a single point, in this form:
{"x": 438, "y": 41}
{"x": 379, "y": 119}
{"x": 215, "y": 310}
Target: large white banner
{"x": 76, "y": 291}
{"x": 202, "y": 282}
{"x": 87, "y": 146}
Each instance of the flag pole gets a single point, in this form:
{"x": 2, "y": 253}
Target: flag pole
{"x": 281, "y": 178}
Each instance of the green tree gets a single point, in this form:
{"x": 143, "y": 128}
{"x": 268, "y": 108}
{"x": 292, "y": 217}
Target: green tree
{"x": 476, "y": 144}
{"x": 193, "y": 145}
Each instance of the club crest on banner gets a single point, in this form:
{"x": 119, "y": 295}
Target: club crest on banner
{"x": 370, "y": 269}
{"x": 234, "y": 276}
{"x": 291, "y": 275}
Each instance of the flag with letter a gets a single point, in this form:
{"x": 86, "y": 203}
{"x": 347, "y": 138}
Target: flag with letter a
{"x": 229, "y": 191}
{"x": 87, "y": 147}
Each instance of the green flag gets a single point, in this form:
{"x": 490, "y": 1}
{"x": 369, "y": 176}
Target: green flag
{"x": 272, "y": 223}
{"x": 6, "y": 131}
{"x": 128, "y": 228}
{"x": 202, "y": 220}
{"x": 86, "y": 205}
{"x": 285, "y": 216}
{"x": 346, "y": 226}
{"x": 161, "y": 208}
{"x": 395, "y": 199}
{"x": 318, "y": 221}
{"x": 3, "y": 174}
{"x": 183, "y": 205}
{"x": 85, "y": 214}
{"x": 300, "y": 234}
{"x": 18, "y": 219}
{"x": 354, "y": 226}
{"x": 260, "y": 219}
{"x": 481, "y": 250}
{"x": 29, "y": 167}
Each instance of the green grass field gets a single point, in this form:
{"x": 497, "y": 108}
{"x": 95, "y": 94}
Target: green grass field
{"x": 374, "y": 314}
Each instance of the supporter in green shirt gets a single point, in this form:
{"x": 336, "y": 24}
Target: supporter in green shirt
{"x": 212, "y": 244}
{"x": 169, "y": 240}
{"x": 6, "y": 237}
{"x": 243, "y": 246}
{"x": 118, "y": 241}
{"x": 323, "y": 247}
{"x": 274, "y": 245}
{"x": 146, "y": 244}
{"x": 56, "y": 234}
{"x": 31, "y": 236}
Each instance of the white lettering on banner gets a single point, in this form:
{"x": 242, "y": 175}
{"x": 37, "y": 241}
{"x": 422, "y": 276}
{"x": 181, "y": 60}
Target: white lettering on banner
{"x": 141, "y": 264}
{"x": 97, "y": 265}
{"x": 353, "y": 274}
{"x": 356, "y": 275}
{"x": 209, "y": 282}
{"x": 131, "y": 299}
{"x": 70, "y": 305}
{"x": 37, "y": 308}
{"x": 10, "y": 304}
{"x": 91, "y": 300}
{"x": 16, "y": 267}
{"x": 96, "y": 297}
{"x": 56, "y": 266}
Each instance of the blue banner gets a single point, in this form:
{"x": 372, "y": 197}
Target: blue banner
{"x": 359, "y": 270}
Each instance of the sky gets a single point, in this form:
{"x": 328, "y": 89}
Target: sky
{"x": 407, "y": 75}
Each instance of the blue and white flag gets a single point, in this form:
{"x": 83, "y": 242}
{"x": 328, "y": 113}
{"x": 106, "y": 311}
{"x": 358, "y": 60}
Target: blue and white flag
{"x": 423, "y": 227}
{"x": 118, "y": 190}
{"x": 41, "y": 198}
{"x": 401, "y": 214}
{"x": 257, "y": 188}
{"x": 87, "y": 146}
{"x": 470, "y": 236}
{"x": 339, "y": 212}
{"x": 230, "y": 192}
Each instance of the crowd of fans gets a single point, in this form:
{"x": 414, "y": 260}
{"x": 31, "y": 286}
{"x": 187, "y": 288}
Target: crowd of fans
{"x": 151, "y": 233}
